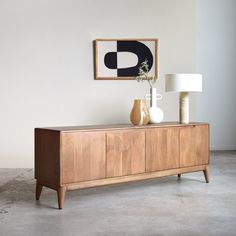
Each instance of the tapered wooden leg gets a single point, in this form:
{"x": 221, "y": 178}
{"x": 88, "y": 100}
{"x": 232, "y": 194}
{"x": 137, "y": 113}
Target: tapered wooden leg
{"x": 206, "y": 174}
{"x": 61, "y": 192}
{"x": 179, "y": 176}
{"x": 39, "y": 188}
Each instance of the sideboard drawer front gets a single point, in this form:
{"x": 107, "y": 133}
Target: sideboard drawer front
{"x": 125, "y": 152}
{"x": 194, "y": 145}
{"x": 83, "y": 156}
{"x": 162, "y": 149}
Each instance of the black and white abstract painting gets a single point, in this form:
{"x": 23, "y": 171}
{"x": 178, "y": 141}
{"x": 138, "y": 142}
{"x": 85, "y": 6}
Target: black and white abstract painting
{"x": 121, "y": 59}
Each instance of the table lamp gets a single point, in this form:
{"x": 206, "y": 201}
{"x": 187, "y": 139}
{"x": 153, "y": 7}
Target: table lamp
{"x": 183, "y": 83}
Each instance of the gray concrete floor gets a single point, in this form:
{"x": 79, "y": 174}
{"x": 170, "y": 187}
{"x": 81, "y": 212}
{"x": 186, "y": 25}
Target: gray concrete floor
{"x": 159, "y": 207}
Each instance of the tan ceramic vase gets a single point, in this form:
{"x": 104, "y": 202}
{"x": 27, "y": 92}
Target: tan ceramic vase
{"x": 139, "y": 114}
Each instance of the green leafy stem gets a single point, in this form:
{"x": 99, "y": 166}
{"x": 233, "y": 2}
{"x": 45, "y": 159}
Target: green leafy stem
{"x": 143, "y": 74}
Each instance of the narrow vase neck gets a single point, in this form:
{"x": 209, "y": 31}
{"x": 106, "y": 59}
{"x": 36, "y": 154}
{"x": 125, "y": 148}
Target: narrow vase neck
{"x": 153, "y": 93}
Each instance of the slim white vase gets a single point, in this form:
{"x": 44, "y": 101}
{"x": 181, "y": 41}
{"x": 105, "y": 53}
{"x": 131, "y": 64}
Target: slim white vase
{"x": 155, "y": 113}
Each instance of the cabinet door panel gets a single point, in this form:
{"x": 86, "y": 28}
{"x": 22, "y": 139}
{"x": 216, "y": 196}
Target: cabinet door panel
{"x": 125, "y": 153}
{"x": 194, "y": 145}
{"x": 162, "y": 149}
{"x": 83, "y": 156}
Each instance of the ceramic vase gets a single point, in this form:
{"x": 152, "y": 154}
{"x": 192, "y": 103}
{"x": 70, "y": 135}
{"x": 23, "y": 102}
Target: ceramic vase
{"x": 139, "y": 114}
{"x": 155, "y": 113}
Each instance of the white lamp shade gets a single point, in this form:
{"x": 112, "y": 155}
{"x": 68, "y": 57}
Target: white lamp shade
{"x": 183, "y": 82}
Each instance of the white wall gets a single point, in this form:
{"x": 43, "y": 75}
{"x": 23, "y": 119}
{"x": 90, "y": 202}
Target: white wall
{"x": 46, "y": 63}
{"x": 216, "y": 60}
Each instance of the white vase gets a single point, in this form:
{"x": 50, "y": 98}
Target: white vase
{"x": 155, "y": 113}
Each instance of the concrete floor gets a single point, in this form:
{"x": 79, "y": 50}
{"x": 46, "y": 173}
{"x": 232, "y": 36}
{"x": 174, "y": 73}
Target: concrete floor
{"x": 159, "y": 207}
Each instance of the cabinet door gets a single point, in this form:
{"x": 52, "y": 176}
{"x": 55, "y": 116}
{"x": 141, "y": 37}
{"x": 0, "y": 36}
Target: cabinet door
{"x": 83, "y": 156}
{"x": 194, "y": 145}
{"x": 162, "y": 149}
{"x": 125, "y": 152}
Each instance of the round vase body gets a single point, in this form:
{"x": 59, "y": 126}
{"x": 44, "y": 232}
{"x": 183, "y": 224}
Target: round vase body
{"x": 156, "y": 115}
{"x": 139, "y": 114}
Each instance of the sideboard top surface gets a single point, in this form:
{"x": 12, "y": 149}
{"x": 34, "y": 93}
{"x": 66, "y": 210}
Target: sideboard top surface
{"x": 118, "y": 126}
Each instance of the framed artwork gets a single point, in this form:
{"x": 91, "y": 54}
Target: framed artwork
{"x": 120, "y": 59}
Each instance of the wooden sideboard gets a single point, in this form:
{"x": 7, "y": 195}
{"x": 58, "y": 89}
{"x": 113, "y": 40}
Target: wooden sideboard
{"x": 69, "y": 158}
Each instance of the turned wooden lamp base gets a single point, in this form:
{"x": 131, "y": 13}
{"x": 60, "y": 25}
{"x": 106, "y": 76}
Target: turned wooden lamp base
{"x": 184, "y": 108}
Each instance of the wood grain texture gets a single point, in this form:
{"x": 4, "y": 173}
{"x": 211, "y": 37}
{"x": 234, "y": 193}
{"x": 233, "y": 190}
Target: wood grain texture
{"x": 125, "y": 152}
{"x": 162, "y": 149}
{"x": 137, "y": 177}
{"x": 47, "y": 156}
{"x": 120, "y": 127}
{"x": 68, "y": 158}
{"x": 194, "y": 145}
{"x": 83, "y": 156}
